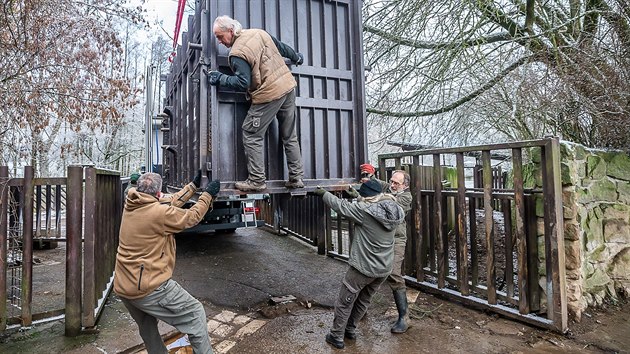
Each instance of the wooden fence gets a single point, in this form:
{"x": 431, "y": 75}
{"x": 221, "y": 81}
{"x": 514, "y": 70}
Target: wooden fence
{"x": 84, "y": 215}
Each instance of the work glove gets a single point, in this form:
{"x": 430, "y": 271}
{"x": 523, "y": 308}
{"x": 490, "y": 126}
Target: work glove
{"x": 300, "y": 60}
{"x": 213, "y": 188}
{"x": 319, "y": 191}
{"x": 214, "y": 78}
{"x": 352, "y": 192}
{"x": 197, "y": 180}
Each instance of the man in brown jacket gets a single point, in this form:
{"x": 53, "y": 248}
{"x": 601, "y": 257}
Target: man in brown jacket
{"x": 146, "y": 258}
{"x": 256, "y": 58}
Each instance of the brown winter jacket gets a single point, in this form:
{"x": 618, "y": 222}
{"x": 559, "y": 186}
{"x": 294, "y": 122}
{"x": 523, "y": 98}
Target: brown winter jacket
{"x": 271, "y": 79}
{"x": 146, "y": 246}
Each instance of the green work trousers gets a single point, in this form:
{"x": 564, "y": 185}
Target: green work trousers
{"x": 255, "y": 125}
{"x": 175, "y": 306}
{"x": 395, "y": 280}
{"x": 354, "y": 298}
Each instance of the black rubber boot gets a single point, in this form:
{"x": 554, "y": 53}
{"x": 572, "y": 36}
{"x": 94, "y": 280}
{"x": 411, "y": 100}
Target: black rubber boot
{"x": 400, "y": 297}
{"x": 334, "y": 342}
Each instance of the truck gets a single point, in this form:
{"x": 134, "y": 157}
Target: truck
{"x": 201, "y": 124}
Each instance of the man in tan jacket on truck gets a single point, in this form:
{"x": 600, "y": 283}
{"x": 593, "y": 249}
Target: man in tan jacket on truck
{"x": 146, "y": 258}
{"x": 256, "y": 58}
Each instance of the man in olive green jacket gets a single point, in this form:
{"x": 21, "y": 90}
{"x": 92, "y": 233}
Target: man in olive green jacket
{"x": 375, "y": 217}
{"x": 146, "y": 258}
{"x": 398, "y": 187}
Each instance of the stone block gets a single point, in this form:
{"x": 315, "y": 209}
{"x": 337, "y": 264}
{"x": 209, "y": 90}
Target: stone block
{"x": 573, "y": 256}
{"x": 597, "y": 281}
{"x": 250, "y": 328}
{"x": 569, "y": 204}
{"x": 619, "y": 166}
{"x": 616, "y": 212}
{"x": 568, "y": 173}
{"x": 225, "y": 316}
{"x": 589, "y": 269}
{"x": 225, "y": 346}
{"x": 593, "y": 230}
{"x": 623, "y": 188}
{"x": 571, "y": 230}
{"x": 595, "y": 167}
{"x": 223, "y": 330}
{"x": 580, "y": 152}
{"x": 616, "y": 231}
{"x": 620, "y": 266}
{"x": 598, "y": 254}
{"x": 604, "y": 190}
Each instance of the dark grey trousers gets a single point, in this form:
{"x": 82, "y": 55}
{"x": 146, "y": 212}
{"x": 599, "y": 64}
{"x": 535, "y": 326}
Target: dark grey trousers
{"x": 354, "y": 298}
{"x": 258, "y": 119}
{"x": 175, "y": 306}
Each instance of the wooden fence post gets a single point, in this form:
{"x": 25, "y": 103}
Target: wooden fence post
{"x": 554, "y": 235}
{"x": 74, "y": 221}
{"x": 27, "y": 248}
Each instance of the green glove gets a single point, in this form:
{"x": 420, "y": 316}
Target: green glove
{"x": 352, "y": 192}
{"x": 319, "y": 191}
{"x": 213, "y": 188}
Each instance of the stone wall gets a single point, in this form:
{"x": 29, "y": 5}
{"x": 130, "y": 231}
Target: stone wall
{"x": 596, "y": 208}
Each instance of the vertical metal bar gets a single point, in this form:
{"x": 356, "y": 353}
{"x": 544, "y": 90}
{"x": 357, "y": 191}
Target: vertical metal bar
{"x": 321, "y": 225}
{"x": 397, "y": 163}
{"x": 329, "y": 237}
{"x": 4, "y": 209}
{"x": 27, "y": 245}
{"x": 489, "y": 226}
{"x": 554, "y": 239}
{"x": 339, "y": 234}
{"x": 74, "y": 205}
{"x": 462, "y": 250}
{"x": 437, "y": 215}
{"x": 519, "y": 230}
{"x": 89, "y": 246}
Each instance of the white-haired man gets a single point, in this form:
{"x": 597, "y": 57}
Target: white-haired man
{"x": 256, "y": 58}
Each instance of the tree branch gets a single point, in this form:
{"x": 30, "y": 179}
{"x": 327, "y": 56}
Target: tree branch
{"x": 459, "y": 102}
{"x": 497, "y": 37}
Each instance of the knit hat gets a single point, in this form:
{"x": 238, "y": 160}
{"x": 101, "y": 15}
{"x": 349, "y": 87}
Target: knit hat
{"x": 134, "y": 178}
{"x": 370, "y": 188}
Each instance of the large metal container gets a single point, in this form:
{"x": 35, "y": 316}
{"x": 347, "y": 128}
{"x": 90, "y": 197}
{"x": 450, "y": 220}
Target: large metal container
{"x": 204, "y": 126}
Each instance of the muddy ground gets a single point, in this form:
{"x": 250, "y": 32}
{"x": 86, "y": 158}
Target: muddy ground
{"x": 238, "y": 273}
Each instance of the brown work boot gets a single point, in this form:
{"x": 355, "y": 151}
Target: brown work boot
{"x": 294, "y": 183}
{"x": 250, "y": 186}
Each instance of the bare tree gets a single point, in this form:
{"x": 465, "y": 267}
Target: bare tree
{"x": 466, "y": 71}
{"x": 61, "y": 74}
